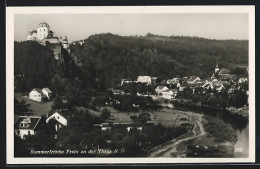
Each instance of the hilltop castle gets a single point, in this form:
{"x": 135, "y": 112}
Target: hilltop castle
{"x": 45, "y": 36}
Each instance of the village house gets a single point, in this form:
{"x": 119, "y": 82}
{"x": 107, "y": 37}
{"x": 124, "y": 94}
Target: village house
{"x": 47, "y": 92}
{"x": 133, "y": 127}
{"x": 242, "y": 80}
{"x": 182, "y": 86}
{"x": 160, "y": 89}
{"x": 231, "y": 89}
{"x": 26, "y": 125}
{"x": 118, "y": 92}
{"x": 218, "y": 85}
{"x": 154, "y": 80}
{"x": 173, "y": 80}
{"x": 193, "y": 79}
{"x": 203, "y": 82}
{"x": 104, "y": 126}
{"x": 163, "y": 82}
{"x": 36, "y": 95}
{"x": 170, "y": 93}
{"x": 127, "y": 126}
{"x": 59, "y": 119}
{"x": 144, "y": 79}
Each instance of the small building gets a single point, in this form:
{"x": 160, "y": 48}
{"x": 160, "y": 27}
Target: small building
{"x": 144, "y": 79}
{"x": 118, "y": 92}
{"x": 193, "y": 79}
{"x": 59, "y": 119}
{"x": 231, "y": 89}
{"x": 133, "y": 127}
{"x": 169, "y": 94}
{"x": 26, "y": 125}
{"x": 36, "y": 94}
{"x": 160, "y": 89}
{"x": 203, "y": 82}
{"x": 242, "y": 80}
{"x": 173, "y": 80}
{"x": 47, "y": 92}
{"x": 220, "y": 88}
{"x": 183, "y": 86}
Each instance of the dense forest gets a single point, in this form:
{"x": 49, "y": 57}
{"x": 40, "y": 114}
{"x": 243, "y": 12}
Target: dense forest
{"x": 104, "y": 59}
{"x": 112, "y": 57}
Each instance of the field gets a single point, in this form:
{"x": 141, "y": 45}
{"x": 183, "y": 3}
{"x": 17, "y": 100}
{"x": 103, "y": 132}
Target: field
{"x": 168, "y": 117}
{"x": 38, "y": 109}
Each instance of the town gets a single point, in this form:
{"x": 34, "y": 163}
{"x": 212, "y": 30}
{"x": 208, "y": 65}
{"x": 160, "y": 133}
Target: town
{"x": 146, "y": 116}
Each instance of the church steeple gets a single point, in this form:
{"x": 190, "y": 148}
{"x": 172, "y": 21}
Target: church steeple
{"x": 216, "y": 68}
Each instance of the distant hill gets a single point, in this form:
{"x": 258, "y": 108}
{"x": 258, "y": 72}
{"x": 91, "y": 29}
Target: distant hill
{"x": 110, "y": 57}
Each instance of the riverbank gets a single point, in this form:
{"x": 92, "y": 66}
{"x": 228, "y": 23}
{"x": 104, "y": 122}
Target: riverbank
{"x": 166, "y": 149}
{"x": 218, "y": 141}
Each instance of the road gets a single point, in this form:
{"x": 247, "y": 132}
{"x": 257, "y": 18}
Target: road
{"x": 165, "y": 149}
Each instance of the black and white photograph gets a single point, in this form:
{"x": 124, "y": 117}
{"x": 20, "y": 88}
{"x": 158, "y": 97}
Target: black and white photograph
{"x": 130, "y": 84}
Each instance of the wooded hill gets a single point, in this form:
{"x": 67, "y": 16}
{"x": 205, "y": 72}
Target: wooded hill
{"x": 112, "y": 57}
{"x": 104, "y": 59}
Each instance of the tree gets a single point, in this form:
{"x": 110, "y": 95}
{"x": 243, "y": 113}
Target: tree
{"x": 144, "y": 117}
{"x": 105, "y": 114}
{"x": 21, "y": 107}
{"x": 58, "y": 103}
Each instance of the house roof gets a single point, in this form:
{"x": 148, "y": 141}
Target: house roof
{"x": 173, "y": 90}
{"x": 195, "y": 85}
{"x": 193, "y": 78}
{"x": 164, "y": 82}
{"x": 65, "y": 113}
{"x": 32, "y": 120}
{"x": 33, "y": 31}
{"x": 201, "y": 81}
{"x": 161, "y": 87}
{"x": 184, "y": 85}
{"x": 224, "y": 71}
{"x": 219, "y": 83}
{"x": 37, "y": 90}
{"x": 47, "y": 89}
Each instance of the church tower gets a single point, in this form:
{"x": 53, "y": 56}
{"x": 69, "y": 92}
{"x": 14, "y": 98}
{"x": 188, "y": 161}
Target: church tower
{"x": 216, "y": 68}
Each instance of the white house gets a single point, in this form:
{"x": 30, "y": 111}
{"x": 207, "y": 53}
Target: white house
{"x": 60, "y": 119}
{"x": 26, "y": 125}
{"x": 160, "y": 89}
{"x": 242, "y": 80}
{"x": 47, "y": 92}
{"x": 130, "y": 127}
{"x": 220, "y": 88}
{"x": 144, "y": 79}
{"x": 169, "y": 94}
{"x": 36, "y": 95}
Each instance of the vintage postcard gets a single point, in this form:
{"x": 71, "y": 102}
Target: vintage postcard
{"x": 144, "y": 84}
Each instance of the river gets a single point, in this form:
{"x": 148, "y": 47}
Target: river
{"x": 242, "y": 145}
{"x": 238, "y": 123}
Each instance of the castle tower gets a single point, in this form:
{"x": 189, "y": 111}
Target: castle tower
{"x": 43, "y": 30}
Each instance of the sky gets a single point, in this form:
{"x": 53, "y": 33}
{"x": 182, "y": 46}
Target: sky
{"x": 81, "y": 26}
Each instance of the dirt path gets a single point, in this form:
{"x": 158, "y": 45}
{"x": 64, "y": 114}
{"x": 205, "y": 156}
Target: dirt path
{"x": 165, "y": 149}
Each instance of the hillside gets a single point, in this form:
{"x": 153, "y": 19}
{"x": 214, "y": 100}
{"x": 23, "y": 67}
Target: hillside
{"x": 110, "y": 57}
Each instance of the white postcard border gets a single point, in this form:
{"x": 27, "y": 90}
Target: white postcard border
{"x": 11, "y": 11}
